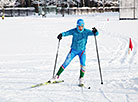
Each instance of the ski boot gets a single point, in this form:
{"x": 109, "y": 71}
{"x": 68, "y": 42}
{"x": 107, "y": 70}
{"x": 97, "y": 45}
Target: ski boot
{"x": 54, "y": 79}
{"x": 81, "y": 82}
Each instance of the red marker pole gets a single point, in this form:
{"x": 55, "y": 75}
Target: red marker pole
{"x": 130, "y": 46}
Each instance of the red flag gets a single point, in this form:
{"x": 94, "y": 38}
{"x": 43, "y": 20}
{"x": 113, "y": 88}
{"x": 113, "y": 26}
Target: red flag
{"x": 130, "y": 44}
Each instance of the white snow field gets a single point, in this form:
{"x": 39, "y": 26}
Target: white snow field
{"x": 28, "y": 47}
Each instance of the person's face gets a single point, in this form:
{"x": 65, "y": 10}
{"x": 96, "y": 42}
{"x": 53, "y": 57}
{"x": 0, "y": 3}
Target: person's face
{"x": 80, "y": 28}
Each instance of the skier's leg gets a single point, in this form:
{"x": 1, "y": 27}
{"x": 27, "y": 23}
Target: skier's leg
{"x": 69, "y": 58}
{"x": 82, "y": 57}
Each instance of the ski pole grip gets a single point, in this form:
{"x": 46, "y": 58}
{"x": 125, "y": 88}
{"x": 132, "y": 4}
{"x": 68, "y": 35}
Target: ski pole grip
{"x": 94, "y": 30}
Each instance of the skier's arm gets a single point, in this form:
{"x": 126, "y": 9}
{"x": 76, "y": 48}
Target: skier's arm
{"x": 93, "y": 32}
{"x": 67, "y": 33}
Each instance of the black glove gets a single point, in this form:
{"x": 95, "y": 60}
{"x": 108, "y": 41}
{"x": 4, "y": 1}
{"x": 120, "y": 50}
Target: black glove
{"x": 94, "y": 30}
{"x": 59, "y": 36}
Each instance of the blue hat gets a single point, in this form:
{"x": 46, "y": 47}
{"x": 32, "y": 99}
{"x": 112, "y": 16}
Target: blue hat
{"x": 80, "y": 22}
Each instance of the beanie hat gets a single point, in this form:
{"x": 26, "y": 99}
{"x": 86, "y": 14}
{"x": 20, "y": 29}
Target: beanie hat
{"x": 80, "y": 22}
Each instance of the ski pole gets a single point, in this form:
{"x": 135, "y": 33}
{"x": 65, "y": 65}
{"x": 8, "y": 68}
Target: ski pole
{"x": 98, "y": 58}
{"x": 56, "y": 58}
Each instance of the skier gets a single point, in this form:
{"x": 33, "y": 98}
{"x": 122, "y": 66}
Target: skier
{"x": 79, "y": 41}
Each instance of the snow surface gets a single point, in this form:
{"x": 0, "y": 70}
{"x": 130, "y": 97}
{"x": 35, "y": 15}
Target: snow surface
{"x": 28, "y": 48}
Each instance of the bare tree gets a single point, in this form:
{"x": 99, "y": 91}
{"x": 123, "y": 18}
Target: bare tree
{"x": 7, "y": 3}
{"x": 26, "y": 3}
{"x": 83, "y": 2}
{"x": 4, "y": 3}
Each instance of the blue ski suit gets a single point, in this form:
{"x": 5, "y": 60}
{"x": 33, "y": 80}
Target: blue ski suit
{"x": 78, "y": 47}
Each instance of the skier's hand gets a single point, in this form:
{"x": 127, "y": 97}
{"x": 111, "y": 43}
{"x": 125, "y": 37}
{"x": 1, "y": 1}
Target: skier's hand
{"x": 94, "y": 30}
{"x": 59, "y": 36}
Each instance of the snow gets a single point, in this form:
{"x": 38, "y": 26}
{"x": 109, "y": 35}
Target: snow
{"x": 28, "y": 48}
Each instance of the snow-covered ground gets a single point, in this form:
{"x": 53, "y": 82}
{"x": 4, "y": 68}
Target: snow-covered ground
{"x": 28, "y": 48}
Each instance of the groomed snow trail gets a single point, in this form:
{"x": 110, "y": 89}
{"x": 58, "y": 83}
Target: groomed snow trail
{"x": 28, "y": 49}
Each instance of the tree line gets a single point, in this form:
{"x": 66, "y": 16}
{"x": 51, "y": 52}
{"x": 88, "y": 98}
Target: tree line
{"x": 69, "y": 3}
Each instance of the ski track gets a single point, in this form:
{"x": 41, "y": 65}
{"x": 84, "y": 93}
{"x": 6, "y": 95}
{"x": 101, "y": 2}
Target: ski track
{"x": 104, "y": 95}
{"x": 127, "y": 98}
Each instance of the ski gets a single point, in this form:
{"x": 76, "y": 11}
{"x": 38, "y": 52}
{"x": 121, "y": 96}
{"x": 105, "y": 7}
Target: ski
{"x": 46, "y": 83}
{"x": 83, "y": 86}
